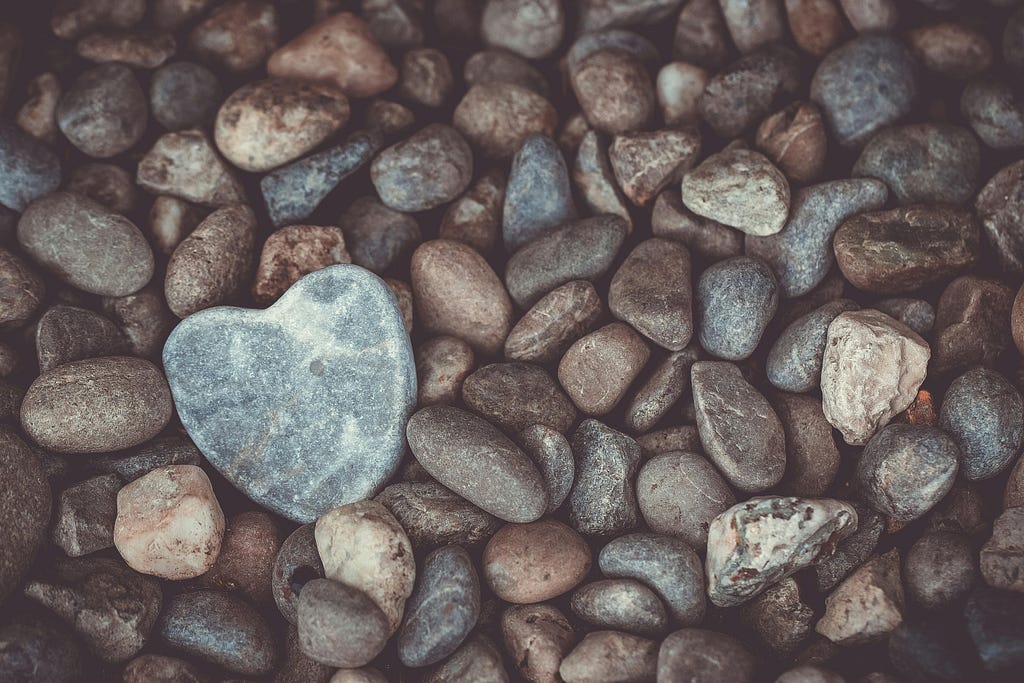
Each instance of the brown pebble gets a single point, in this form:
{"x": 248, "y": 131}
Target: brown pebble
{"x": 868, "y": 605}
{"x": 161, "y": 669}
{"x": 661, "y": 390}
{"x": 247, "y": 554}
{"x": 72, "y": 19}
{"x": 550, "y": 327}
{"x": 21, "y": 289}
{"x": 614, "y": 90}
{"x": 38, "y": 116}
{"x": 110, "y": 185}
{"x": 426, "y": 77}
{"x": 442, "y": 363}
{"x": 816, "y": 25}
{"x": 705, "y": 238}
{"x": 84, "y": 519}
{"x": 611, "y": 656}
{"x": 597, "y": 370}
{"x": 144, "y": 318}
{"x": 497, "y": 117}
{"x": 952, "y": 49}
{"x": 475, "y": 217}
{"x": 403, "y": 295}
{"x": 142, "y": 49}
{"x": 645, "y": 163}
{"x": 184, "y": 165}
{"x": 795, "y": 139}
{"x": 528, "y": 563}
{"x": 515, "y": 396}
{"x": 294, "y": 251}
{"x": 237, "y": 35}
{"x": 652, "y": 291}
{"x": 537, "y": 637}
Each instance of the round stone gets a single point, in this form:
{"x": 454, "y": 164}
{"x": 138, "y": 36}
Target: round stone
{"x": 184, "y": 94}
{"x": 736, "y": 299}
{"x": 984, "y": 413}
{"x": 340, "y": 625}
{"x": 104, "y": 111}
{"x": 680, "y": 494}
{"x": 621, "y": 605}
{"x": 424, "y": 171}
{"x": 528, "y": 563}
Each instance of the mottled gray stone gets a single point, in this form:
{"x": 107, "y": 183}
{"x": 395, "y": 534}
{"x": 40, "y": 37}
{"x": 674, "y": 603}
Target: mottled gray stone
{"x": 905, "y": 469}
{"x": 552, "y": 454}
{"x": 184, "y": 164}
{"x": 738, "y": 428}
{"x": 66, "y": 333}
{"x": 995, "y": 113}
{"x": 864, "y": 85}
{"x": 736, "y": 299}
{"x": 917, "y": 314}
{"x": 24, "y": 510}
{"x": 680, "y": 493}
{"x": 972, "y": 324}
{"x": 603, "y": 499}
{"x": 704, "y": 655}
{"x": 662, "y": 389}
{"x": 443, "y": 608}
{"x": 301, "y": 406}
{"x": 501, "y": 66}
{"x": 85, "y": 515}
{"x": 620, "y": 604}
{"x": 984, "y": 413}
{"x": 293, "y": 192}
{"x": 376, "y": 236}
{"x": 740, "y": 188}
{"x": 744, "y": 92}
{"x": 86, "y": 245}
{"x": 37, "y": 650}
{"x": 221, "y": 629}
{"x": 801, "y": 254}
{"x": 812, "y": 459}
{"x": 781, "y": 621}
{"x": 794, "y": 361}
{"x": 104, "y": 112}
{"x": 850, "y": 552}
{"x": 755, "y": 544}
{"x": 28, "y": 169}
{"x": 651, "y": 291}
{"x": 753, "y": 23}
{"x": 517, "y": 395}
{"x": 538, "y": 196}
{"x": 426, "y": 170}
{"x": 594, "y": 180}
{"x": 939, "y": 568}
{"x": 184, "y": 94}
{"x": 595, "y": 15}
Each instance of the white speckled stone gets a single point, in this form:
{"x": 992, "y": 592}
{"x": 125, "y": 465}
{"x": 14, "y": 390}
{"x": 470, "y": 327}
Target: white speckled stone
{"x": 301, "y": 406}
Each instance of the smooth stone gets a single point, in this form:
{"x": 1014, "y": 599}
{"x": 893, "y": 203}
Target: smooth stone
{"x": 86, "y": 245}
{"x": 939, "y": 568}
{"x": 738, "y": 428}
{"x": 610, "y": 655}
{"x": 426, "y": 77}
{"x": 184, "y": 164}
{"x": 801, "y": 254}
{"x": 475, "y": 460}
{"x": 865, "y": 85}
{"x": 158, "y": 452}
{"x": 37, "y": 116}
{"x": 24, "y": 512}
{"x": 971, "y": 324}
{"x": 794, "y": 361}
{"x": 580, "y": 250}
{"x": 28, "y": 168}
{"x": 537, "y": 637}
{"x": 594, "y": 179}
{"x": 292, "y": 193}
{"x": 378, "y": 237}
{"x": 109, "y": 606}
{"x": 429, "y": 169}
{"x": 994, "y": 113}
{"x": 140, "y": 49}
{"x": 740, "y": 188}
{"x": 515, "y": 396}
{"x": 597, "y": 370}
{"x": 85, "y": 514}
{"x": 868, "y": 605}
{"x": 595, "y": 15}
{"x": 529, "y": 563}
{"x": 984, "y": 413}
{"x": 547, "y": 330}
{"x": 1000, "y": 209}
{"x": 97, "y": 405}
{"x": 852, "y": 551}
{"x": 395, "y": 23}
{"x": 706, "y": 655}
{"x": 994, "y": 624}
{"x": 706, "y": 239}
{"x": 530, "y": 28}
{"x": 917, "y": 314}
{"x": 538, "y": 196}
{"x": 614, "y": 89}
{"x": 552, "y": 454}
{"x": 780, "y": 621}
{"x": 736, "y": 299}
{"x": 265, "y": 124}
{"x": 297, "y": 562}
{"x": 144, "y": 319}
{"x": 291, "y": 253}
{"x": 743, "y": 93}
{"x": 755, "y": 544}
{"x": 73, "y": 19}
{"x": 183, "y": 95}
{"x": 871, "y": 371}
{"x": 245, "y": 563}
{"x": 457, "y": 293}
{"x": 475, "y": 217}
{"x": 645, "y": 163}
{"x": 812, "y": 458}
{"x": 67, "y": 333}
{"x": 442, "y": 610}
{"x": 661, "y": 391}
{"x": 344, "y": 336}
{"x": 39, "y": 650}
{"x": 652, "y": 292}
{"x": 700, "y": 35}
{"x": 795, "y": 139}
{"x": 497, "y": 117}
{"x": 502, "y": 66}
{"x": 432, "y": 515}
{"x": 621, "y": 605}
{"x": 104, "y": 111}
{"x": 680, "y": 86}
{"x": 110, "y": 185}
{"x": 478, "y": 661}
{"x": 680, "y": 493}
{"x": 603, "y": 500}
{"x": 237, "y": 35}
{"x": 753, "y": 24}
{"x": 442, "y": 365}
{"x": 951, "y": 49}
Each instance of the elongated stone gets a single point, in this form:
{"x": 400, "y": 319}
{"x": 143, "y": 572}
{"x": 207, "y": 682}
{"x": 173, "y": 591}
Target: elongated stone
{"x": 515, "y": 396}
{"x": 550, "y": 327}
{"x": 538, "y": 196}
{"x": 432, "y": 515}
{"x": 603, "y": 499}
{"x": 662, "y": 389}
{"x": 736, "y": 299}
{"x": 868, "y": 605}
{"x": 985, "y": 415}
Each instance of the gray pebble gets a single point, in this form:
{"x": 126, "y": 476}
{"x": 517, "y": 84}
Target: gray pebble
{"x": 603, "y": 499}
{"x": 86, "y": 245}
{"x": 39, "y": 650}
{"x": 613, "y": 87}
{"x": 84, "y": 519}
{"x": 984, "y": 414}
{"x": 501, "y": 66}
{"x": 28, "y": 169}
{"x": 939, "y": 569}
{"x": 551, "y": 325}
{"x": 812, "y": 459}
{"x": 538, "y": 196}
{"x": 104, "y": 111}
{"x": 736, "y": 299}
{"x": 184, "y": 164}
{"x": 610, "y": 656}
{"x": 24, "y": 512}
{"x": 905, "y": 469}
{"x": 432, "y": 515}
{"x": 443, "y": 608}
{"x": 478, "y": 660}
{"x": 150, "y": 668}
{"x": 621, "y": 605}
{"x": 183, "y": 95}
{"x": 378, "y": 237}
{"x": 972, "y": 324}
{"x": 144, "y": 319}
{"x": 680, "y": 494}
{"x": 738, "y": 428}
{"x": 705, "y": 656}
{"x": 661, "y": 391}
{"x": 744, "y": 92}
{"x": 158, "y": 452}
{"x": 1000, "y": 207}
{"x": 517, "y": 395}
{"x": 652, "y": 292}
{"x": 794, "y": 361}
{"x": 66, "y": 333}
{"x": 994, "y": 113}
{"x": 22, "y": 289}
{"x": 917, "y": 314}
{"x": 552, "y": 454}
{"x": 475, "y": 217}
{"x": 297, "y": 563}
{"x": 428, "y": 169}
{"x": 594, "y": 180}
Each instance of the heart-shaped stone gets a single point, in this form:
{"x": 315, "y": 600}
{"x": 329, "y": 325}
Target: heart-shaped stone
{"x": 302, "y": 406}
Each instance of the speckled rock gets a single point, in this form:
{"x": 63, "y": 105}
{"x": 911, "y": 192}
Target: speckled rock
{"x": 871, "y": 371}
{"x": 296, "y": 563}
{"x": 651, "y": 291}
{"x": 971, "y": 324}
{"x": 610, "y": 655}
{"x": 801, "y": 254}
{"x": 661, "y": 390}
{"x": 151, "y": 668}
{"x": 293, "y": 252}
{"x": 739, "y": 188}
{"x": 516, "y": 395}
{"x": 993, "y": 112}
{"x": 442, "y": 364}
{"x": 917, "y": 314}
{"x": 24, "y": 512}
{"x": 110, "y": 185}
{"x": 603, "y": 500}
{"x": 39, "y": 650}
{"x": 220, "y": 629}
{"x": 343, "y": 459}
{"x": 951, "y": 49}
{"x": 442, "y": 610}
{"x": 426, "y": 77}
{"x": 645, "y": 163}
{"x": 132, "y": 464}
{"x": 538, "y": 196}
{"x": 680, "y": 493}
{"x": 620, "y": 604}
{"x": 104, "y": 111}
{"x": 780, "y": 620}
{"x": 378, "y": 237}
{"x": 537, "y": 637}
{"x": 700, "y": 34}
{"x": 753, "y": 23}
{"x": 475, "y": 460}
{"x": 762, "y": 541}
{"x": 550, "y": 327}
{"x": 29, "y": 169}
{"x": 67, "y": 333}
{"x": 596, "y": 371}
{"x": 475, "y": 217}
{"x": 426, "y": 170}
{"x": 868, "y": 605}
{"x": 497, "y": 117}
{"x": 812, "y": 459}
{"x": 22, "y": 290}
{"x": 237, "y": 35}
{"x": 432, "y": 515}
{"x": 743, "y": 92}
{"x": 144, "y": 319}
{"x": 86, "y": 245}
{"x": 75, "y": 18}
{"x": 85, "y": 513}
{"x": 1002, "y": 556}
{"x": 1000, "y": 208}
{"x": 736, "y": 299}
{"x": 478, "y": 660}
{"x": 984, "y": 414}
{"x": 613, "y": 88}
{"x": 502, "y": 66}
{"x": 795, "y": 139}
{"x": 144, "y": 49}
{"x": 528, "y": 563}
{"x": 939, "y": 568}
{"x": 184, "y": 164}
{"x": 794, "y": 361}
{"x": 706, "y": 654}
{"x": 183, "y": 95}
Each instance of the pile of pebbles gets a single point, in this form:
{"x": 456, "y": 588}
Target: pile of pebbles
{"x": 455, "y": 341}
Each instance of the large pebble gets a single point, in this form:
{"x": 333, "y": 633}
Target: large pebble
{"x": 475, "y": 217}
{"x": 796, "y": 140}
{"x": 994, "y": 113}
{"x": 812, "y": 458}
{"x": 652, "y": 292}
{"x": 528, "y": 563}
{"x": 550, "y": 327}
{"x": 620, "y": 604}
{"x": 537, "y": 196}
{"x": 475, "y": 460}
{"x": 144, "y": 319}
{"x": 24, "y": 511}
{"x": 478, "y": 661}
{"x": 743, "y": 92}
{"x": 1002, "y": 556}
{"x": 86, "y": 245}
{"x": 952, "y": 49}
{"x": 680, "y": 494}
{"x": 293, "y": 252}
{"x": 426, "y": 170}
{"x": 85, "y": 514}
{"x": 104, "y": 111}
{"x": 268, "y": 123}
{"x": 67, "y": 333}
{"x": 442, "y": 610}
{"x": 515, "y": 396}
{"x": 794, "y": 361}
{"x": 868, "y": 605}
{"x": 432, "y": 515}
{"x": 739, "y": 429}
{"x": 755, "y": 544}
{"x": 38, "y": 650}
{"x": 185, "y": 165}
{"x": 363, "y": 546}
{"x": 736, "y": 299}
{"x": 28, "y": 169}
{"x": 971, "y": 324}
{"x": 705, "y": 656}
{"x": 984, "y": 413}
{"x": 498, "y": 116}
{"x": 614, "y": 89}
{"x": 610, "y": 655}
{"x": 537, "y": 637}
{"x": 906, "y": 469}
{"x": 183, "y": 95}
{"x": 1000, "y": 209}
{"x": 336, "y": 338}
{"x": 22, "y": 290}
{"x": 597, "y": 370}
{"x": 97, "y": 405}
{"x": 603, "y": 500}
{"x": 871, "y": 371}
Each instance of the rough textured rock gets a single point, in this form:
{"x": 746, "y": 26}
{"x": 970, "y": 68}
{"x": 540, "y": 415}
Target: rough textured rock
{"x": 794, "y": 361}
{"x": 163, "y": 450}
{"x": 779, "y": 619}
{"x": 475, "y": 217}
{"x": 597, "y": 370}
{"x": 614, "y": 89}
{"x": 661, "y": 390}
{"x": 610, "y": 655}
{"x": 432, "y": 515}
{"x": 984, "y": 414}
{"x": 151, "y": 668}
{"x": 971, "y": 324}
{"x": 516, "y": 395}
{"x": 744, "y": 91}
{"x": 296, "y": 563}
{"x": 651, "y": 291}
{"x": 645, "y": 163}
{"x": 680, "y": 493}
{"x": 442, "y": 364}
{"x": 538, "y": 196}
{"x": 762, "y": 541}
{"x": 992, "y": 110}
{"x": 528, "y": 563}
{"x": 736, "y": 299}
{"x": 339, "y": 322}
{"x": 24, "y": 511}
{"x": 67, "y": 333}
{"x": 427, "y": 77}
{"x": 237, "y": 35}
{"x": 594, "y": 180}
{"x": 110, "y": 185}
{"x": 29, "y": 169}
{"x": 426, "y": 170}
{"x": 603, "y": 498}
{"x": 85, "y": 515}
{"x": 293, "y": 252}
{"x": 552, "y": 454}
{"x": 184, "y": 164}
{"x": 795, "y": 139}
{"x": 1000, "y": 209}
{"x": 558, "y": 319}
{"x": 537, "y": 637}
{"x": 871, "y": 371}
{"x": 868, "y": 605}
{"x": 706, "y": 655}
{"x": 245, "y": 563}
{"x": 939, "y": 568}
{"x": 104, "y": 111}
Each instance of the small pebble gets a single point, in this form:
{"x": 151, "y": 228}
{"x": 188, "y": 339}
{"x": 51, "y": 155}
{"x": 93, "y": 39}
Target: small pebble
{"x": 868, "y": 605}
{"x": 753, "y": 23}
{"x": 38, "y": 116}
{"x": 530, "y": 28}
{"x": 779, "y": 619}
{"x": 736, "y": 299}
{"x": 547, "y": 330}
{"x": 183, "y": 95}
{"x": 594, "y": 179}
{"x": 939, "y": 569}
{"x": 706, "y": 239}
{"x": 66, "y": 333}
{"x": 1002, "y": 556}
{"x": 237, "y": 35}
{"x": 529, "y": 563}
{"x": 378, "y": 237}
{"x": 293, "y": 252}
{"x": 297, "y": 562}
{"x": 951, "y": 49}
{"x": 610, "y": 655}
{"x": 679, "y": 86}
{"x": 104, "y": 111}
{"x": 552, "y": 454}
{"x": 651, "y": 291}
{"x": 537, "y": 637}
{"x": 794, "y": 139}
{"x": 597, "y": 370}
{"x": 794, "y": 361}
{"x": 151, "y": 668}
{"x": 426, "y": 77}
{"x": 614, "y": 90}
{"x": 812, "y": 459}
{"x": 992, "y": 110}
{"x": 743, "y": 92}
{"x": 140, "y": 49}
{"x": 516, "y": 395}
{"x": 442, "y": 364}
{"x": 497, "y": 117}
{"x": 22, "y": 290}
{"x": 661, "y": 391}
{"x": 478, "y": 660}
{"x": 72, "y": 19}
{"x": 971, "y": 324}
{"x": 339, "y": 625}
{"x": 85, "y": 514}
{"x": 917, "y": 314}
{"x": 645, "y": 163}
{"x": 680, "y": 493}
{"x": 984, "y": 414}
{"x": 816, "y": 25}
{"x": 245, "y": 563}
{"x": 144, "y": 319}
{"x": 537, "y": 196}
{"x": 426, "y": 170}
{"x": 603, "y": 500}
{"x": 107, "y": 184}
{"x": 706, "y": 656}
{"x": 432, "y": 515}
{"x": 700, "y": 34}
{"x": 24, "y": 513}
{"x": 475, "y": 217}
{"x": 184, "y": 164}
{"x": 620, "y": 604}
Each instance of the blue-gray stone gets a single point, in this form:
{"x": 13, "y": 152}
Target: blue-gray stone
{"x": 985, "y": 415}
{"x": 443, "y": 608}
{"x": 736, "y": 299}
{"x": 301, "y": 406}
{"x": 28, "y": 169}
{"x": 794, "y": 361}
{"x": 293, "y": 192}
{"x": 538, "y": 195}
{"x": 917, "y": 314}
{"x": 603, "y": 499}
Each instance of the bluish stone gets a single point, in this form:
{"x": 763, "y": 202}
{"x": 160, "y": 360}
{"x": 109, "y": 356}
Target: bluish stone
{"x": 538, "y": 196}
{"x": 28, "y": 169}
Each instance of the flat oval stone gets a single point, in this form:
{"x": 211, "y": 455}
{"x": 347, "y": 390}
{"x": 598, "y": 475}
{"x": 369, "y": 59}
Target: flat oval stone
{"x": 652, "y": 292}
{"x": 538, "y": 196}
{"x": 900, "y": 250}
{"x": 550, "y": 327}
{"x": 794, "y": 361}
{"x": 442, "y": 610}
{"x": 432, "y": 515}
{"x": 985, "y": 415}
{"x": 475, "y": 460}
{"x": 740, "y": 432}
{"x": 528, "y": 563}
{"x": 537, "y": 637}
{"x": 952, "y": 49}
{"x": 252, "y": 388}
{"x": 620, "y": 604}
{"x": 515, "y": 396}
{"x": 268, "y": 123}
{"x": 739, "y": 188}
{"x": 1000, "y": 208}
{"x": 67, "y": 333}
{"x": 736, "y": 299}
{"x": 86, "y": 245}
{"x": 680, "y": 494}
{"x": 24, "y": 512}
{"x": 426, "y": 170}
{"x": 104, "y": 111}
{"x": 97, "y": 405}
{"x": 28, "y": 169}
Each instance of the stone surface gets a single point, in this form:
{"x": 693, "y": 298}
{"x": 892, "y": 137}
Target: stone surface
{"x": 645, "y": 163}
{"x": 442, "y": 364}
{"x": 245, "y": 563}
{"x": 706, "y": 655}
{"x": 104, "y": 111}
{"x": 596, "y": 371}
{"x": 432, "y": 515}
{"x": 84, "y": 516}
{"x": 39, "y": 649}
{"x": 502, "y": 66}
{"x": 680, "y": 493}
{"x": 141, "y": 49}
{"x": 183, "y": 95}
{"x": 144, "y": 319}
{"x": 537, "y": 196}
{"x": 531, "y": 28}
{"x": 651, "y": 291}
{"x": 184, "y": 164}
{"x": 868, "y": 605}
{"x": 477, "y": 660}
{"x": 475, "y": 217}
{"x": 939, "y": 569}
{"x": 926, "y": 648}
{"x": 475, "y": 460}
{"x": 86, "y": 245}
{"x": 952, "y": 49}
{"x": 738, "y": 428}
{"x": 426, "y": 77}
{"x": 871, "y": 371}
{"x": 340, "y": 322}
{"x": 21, "y": 289}
{"x": 537, "y": 637}
{"x": 552, "y": 454}
{"x": 110, "y": 185}
{"x": 1002, "y": 556}
{"x": 780, "y": 620}
{"x": 151, "y": 668}
{"x": 603, "y": 500}
{"x": 163, "y": 450}
{"x": 620, "y": 604}
{"x": 700, "y": 34}
{"x": 67, "y": 333}
{"x": 594, "y": 179}
{"x": 661, "y": 390}
{"x": 516, "y": 395}
{"x": 552, "y": 324}
{"x": 812, "y": 459}
{"x": 296, "y": 563}
{"x": 762, "y": 541}
{"x": 794, "y": 360}
{"x": 917, "y": 314}
{"x": 971, "y": 324}
{"x": 994, "y": 624}
{"x": 237, "y": 35}
{"x": 293, "y": 252}
{"x": 29, "y": 169}
{"x": 613, "y": 88}
{"x": 529, "y": 563}
{"x": 497, "y": 117}
{"x": 984, "y": 414}
{"x": 736, "y": 299}
{"x": 24, "y": 511}
{"x": 1000, "y": 209}
{"x": 426, "y": 170}
{"x": 744, "y": 91}
{"x": 378, "y": 237}
{"x": 610, "y": 655}
{"x": 796, "y": 140}
{"x": 993, "y": 112}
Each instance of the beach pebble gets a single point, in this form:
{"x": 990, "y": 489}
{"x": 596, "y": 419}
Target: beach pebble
{"x": 812, "y": 458}
{"x": 140, "y": 49}
{"x": 603, "y": 500}
{"x": 103, "y": 113}
{"x": 939, "y": 568}
{"x": 158, "y": 452}
{"x": 744, "y": 92}
{"x": 478, "y": 660}
{"x": 442, "y": 364}
{"x": 652, "y": 292}
{"x": 610, "y": 655}
{"x": 537, "y": 637}
{"x": 700, "y": 34}
{"x": 552, "y": 454}
{"x": 705, "y": 654}
{"x": 22, "y": 289}
{"x": 150, "y": 668}
{"x": 661, "y": 390}
{"x": 794, "y": 360}
{"x": 183, "y": 95}
{"x": 1000, "y": 209}
{"x": 67, "y": 333}
{"x": 144, "y": 319}
{"x": 432, "y": 515}
{"x": 558, "y": 319}
{"x": 475, "y": 217}
{"x": 620, "y": 604}
{"x": 984, "y": 413}
{"x": 237, "y": 35}
{"x": 339, "y": 625}
{"x": 426, "y": 76}
{"x": 614, "y": 90}
{"x": 596, "y": 371}
{"x": 185, "y": 165}
{"x": 739, "y": 188}
{"x": 30, "y": 169}
{"x": 753, "y": 23}
{"x": 795, "y": 139}
{"x": 296, "y": 563}
{"x": 971, "y": 324}
{"x": 680, "y": 493}
{"x": 736, "y": 299}
{"x": 679, "y": 87}
{"x": 917, "y": 314}
{"x": 992, "y": 110}
{"x": 868, "y": 605}
{"x": 516, "y": 395}
{"x": 497, "y": 117}
{"x": 426, "y": 170}
{"x": 594, "y": 179}
{"x": 1002, "y": 556}
{"x": 85, "y": 514}
{"x": 952, "y": 49}
{"x": 24, "y": 512}
{"x": 705, "y": 238}
{"x": 502, "y": 66}
{"x": 537, "y": 196}
{"x": 867, "y": 16}
{"x": 529, "y": 563}
{"x": 245, "y": 563}
{"x": 72, "y": 19}
{"x": 293, "y": 252}
{"x": 645, "y": 163}
{"x": 107, "y": 184}
{"x": 530, "y": 28}
{"x": 779, "y": 619}
{"x": 378, "y": 237}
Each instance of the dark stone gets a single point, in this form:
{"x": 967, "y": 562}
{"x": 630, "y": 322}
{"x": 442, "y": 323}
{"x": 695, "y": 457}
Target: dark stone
{"x": 984, "y": 414}
{"x": 426, "y": 170}
{"x": 144, "y": 319}
{"x": 21, "y": 289}
{"x": 339, "y": 625}
{"x": 28, "y": 169}
{"x": 621, "y": 605}
{"x": 1000, "y": 208}
{"x": 551, "y": 325}
{"x": 995, "y": 112}
{"x": 67, "y": 333}
{"x": 477, "y": 661}
{"x": 971, "y": 324}
{"x": 538, "y": 196}
{"x": 744, "y": 92}
{"x": 297, "y": 563}
{"x": 704, "y": 655}
{"x": 781, "y": 621}
{"x": 652, "y": 292}
{"x": 515, "y": 396}
{"x": 297, "y": 667}
{"x": 552, "y": 454}
{"x": 603, "y": 499}
{"x": 24, "y": 511}
{"x": 812, "y": 459}
{"x": 931, "y": 651}
{"x": 736, "y": 299}
{"x": 162, "y": 669}
{"x": 85, "y": 515}
{"x": 995, "y": 621}
{"x": 376, "y": 236}
{"x": 611, "y": 655}
{"x": 35, "y": 650}
{"x": 662, "y": 389}
{"x": 706, "y": 239}
{"x": 939, "y": 569}
{"x": 680, "y": 493}
{"x": 160, "y": 452}
{"x": 917, "y": 314}
{"x": 432, "y": 515}
{"x": 183, "y": 95}
{"x": 794, "y": 361}
{"x": 104, "y": 112}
